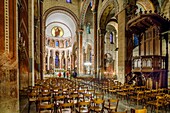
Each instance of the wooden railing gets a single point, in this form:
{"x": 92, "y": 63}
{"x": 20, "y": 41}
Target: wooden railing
{"x": 148, "y": 63}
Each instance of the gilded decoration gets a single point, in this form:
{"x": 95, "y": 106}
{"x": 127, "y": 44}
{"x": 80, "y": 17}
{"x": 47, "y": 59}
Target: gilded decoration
{"x": 57, "y": 31}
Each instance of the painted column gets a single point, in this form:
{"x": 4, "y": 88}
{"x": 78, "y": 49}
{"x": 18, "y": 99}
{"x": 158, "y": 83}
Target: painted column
{"x": 95, "y": 43}
{"x": 80, "y": 51}
{"x": 31, "y": 41}
{"x": 101, "y": 38}
{"x": 122, "y": 46}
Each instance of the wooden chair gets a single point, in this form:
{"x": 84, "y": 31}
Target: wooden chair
{"x": 112, "y": 105}
{"x": 32, "y": 98}
{"x": 58, "y": 100}
{"x": 98, "y": 95}
{"x": 120, "y": 112}
{"x": 47, "y": 108}
{"x": 160, "y": 102}
{"x": 66, "y": 108}
{"x": 83, "y": 107}
{"x": 144, "y": 110}
{"x": 98, "y": 105}
{"x": 87, "y": 97}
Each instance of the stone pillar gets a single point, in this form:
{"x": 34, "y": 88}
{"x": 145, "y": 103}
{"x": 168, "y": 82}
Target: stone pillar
{"x": 95, "y": 43}
{"x": 53, "y": 63}
{"x": 101, "y": 38}
{"x": 60, "y": 59}
{"x": 72, "y": 61}
{"x": 42, "y": 45}
{"x": 80, "y": 51}
{"x": 31, "y": 41}
{"x": 169, "y": 59}
{"x": 122, "y": 46}
{"x": 66, "y": 61}
{"x": 98, "y": 55}
{"x": 38, "y": 46}
{"x": 48, "y": 62}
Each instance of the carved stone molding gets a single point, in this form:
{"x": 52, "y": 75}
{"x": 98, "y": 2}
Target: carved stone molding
{"x": 6, "y": 15}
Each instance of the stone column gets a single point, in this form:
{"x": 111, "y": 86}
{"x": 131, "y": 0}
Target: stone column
{"x": 72, "y": 61}
{"x": 42, "y": 45}
{"x": 80, "y": 51}
{"x": 48, "y": 62}
{"x": 60, "y": 59}
{"x": 101, "y": 38}
{"x": 54, "y": 63}
{"x": 38, "y": 46}
{"x": 95, "y": 42}
{"x": 122, "y": 46}
{"x": 98, "y": 55}
{"x": 48, "y": 59}
{"x": 31, "y": 41}
{"x": 169, "y": 58}
{"x": 66, "y": 62}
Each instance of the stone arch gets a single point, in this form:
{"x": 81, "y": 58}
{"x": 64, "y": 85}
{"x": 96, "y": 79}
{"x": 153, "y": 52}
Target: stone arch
{"x": 103, "y": 16}
{"x": 62, "y": 10}
{"x": 83, "y": 12}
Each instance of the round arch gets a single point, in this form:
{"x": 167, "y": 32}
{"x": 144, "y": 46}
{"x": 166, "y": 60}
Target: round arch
{"x": 106, "y": 9}
{"x": 62, "y": 10}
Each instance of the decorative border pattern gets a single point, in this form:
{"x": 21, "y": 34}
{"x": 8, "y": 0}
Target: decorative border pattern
{"x": 6, "y": 15}
{"x": 83, "y": 12}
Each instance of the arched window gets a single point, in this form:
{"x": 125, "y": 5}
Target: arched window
{"x": 111, "y": 38}
{"x": 48, "y": 43}
{"x": 56, "y": 61}
{"x": 135, "y": 40}
{"x": 68, "y": 1}
{"x": 66, "y": 43}
{"x": 57, "y": 43}
{"x": 90, "y": 57}
{"x": 88, "y": 28}
{"x": 91, "y": 3}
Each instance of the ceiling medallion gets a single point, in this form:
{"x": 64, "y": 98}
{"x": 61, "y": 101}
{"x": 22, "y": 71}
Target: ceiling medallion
{"x": 57, "y": 31}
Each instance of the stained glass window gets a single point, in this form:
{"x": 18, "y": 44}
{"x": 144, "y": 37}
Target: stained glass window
{"x": 88, "y": 28}
{"x": 111, "y": 38}
{"x": 56, "y": 61}
{"x": 66, "y": 43}
{"x": 135, "y": 41}
{"x": 90, "y": 57}
{"x": 57, "y": 43}
{"x": 91, "y": 3}
{"x": 68, "y": 1}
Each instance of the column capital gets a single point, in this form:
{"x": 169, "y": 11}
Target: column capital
{"x": 102, "y": 32}
{"x": 93, "y": 9}
{"x": 80, "y": 31}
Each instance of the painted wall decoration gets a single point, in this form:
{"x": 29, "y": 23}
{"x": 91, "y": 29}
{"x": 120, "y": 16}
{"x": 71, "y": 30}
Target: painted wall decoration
{"x": 57, "y": 31}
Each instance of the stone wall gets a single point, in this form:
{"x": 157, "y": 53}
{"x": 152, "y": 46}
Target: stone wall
{"x": 9, "y": 90}
{"x": 74, "y": 6}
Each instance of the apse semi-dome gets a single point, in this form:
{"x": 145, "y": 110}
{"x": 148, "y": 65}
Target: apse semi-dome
{"x": 62, "y": 20}
{"x": 58, "y": 30}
